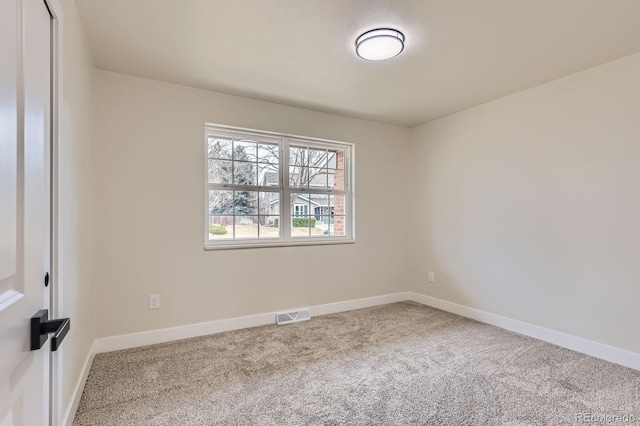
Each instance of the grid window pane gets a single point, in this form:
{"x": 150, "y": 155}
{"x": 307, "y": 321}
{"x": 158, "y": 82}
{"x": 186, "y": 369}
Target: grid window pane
{"x": 220, "y": 202}
{"x": 332, "y": 162}
{"x": 220, "y": 148}
{"x": 317, "y": 157}
{"x": 331, "y": 179}
{"x": 325, "y": 223}
{"x": 269, "y": 227}
{"x": 268, "y": 153}
{"x": 318, "y": 203}
{"x": 298, "y": 177}
{"x": 269, "y": 203}
{"x": 299, "y": 205}
{"x": 336, "y": 179}
{"x": 298, "y": 156}
{"x": 220, "y": 227}
{"x": 245, "y": 150}
{"x": 307, "y": 226}
{"x": 338, "y": 204}
{"x": 338, "y": 227}
{"x": 300, "y": 226}
{"x": 220, "y": 171}
{"x": 268, "y": 174}
{"x": 317, "y": 177}
{"x": 245, "y": 203}
{"x": 246, "y": 227}
{"x": 245, "y": 173}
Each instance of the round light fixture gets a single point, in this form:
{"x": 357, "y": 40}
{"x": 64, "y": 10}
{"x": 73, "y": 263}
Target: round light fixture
{"x": 380, "y": 44}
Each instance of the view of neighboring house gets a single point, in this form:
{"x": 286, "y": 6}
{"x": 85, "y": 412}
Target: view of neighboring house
{"x": 319, "y": 206}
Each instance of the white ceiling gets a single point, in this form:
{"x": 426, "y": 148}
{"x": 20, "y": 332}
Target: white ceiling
{"x": 459, "y": 53}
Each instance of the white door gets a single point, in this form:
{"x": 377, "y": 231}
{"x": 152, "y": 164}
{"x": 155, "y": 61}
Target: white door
{"x": 25, "y": 199}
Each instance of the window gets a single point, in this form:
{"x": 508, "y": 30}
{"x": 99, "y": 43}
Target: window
{"x": 265, "y": 189}
{"x": 300, "y": 209}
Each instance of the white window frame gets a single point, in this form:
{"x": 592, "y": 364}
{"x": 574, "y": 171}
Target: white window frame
{"x": 285, "y": 219}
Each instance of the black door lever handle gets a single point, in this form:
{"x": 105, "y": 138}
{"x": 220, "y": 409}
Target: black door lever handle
{"x": 41, "y": 327}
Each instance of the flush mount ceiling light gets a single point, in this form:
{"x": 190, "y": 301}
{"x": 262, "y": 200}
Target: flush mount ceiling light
{"x": 380, "y": 44}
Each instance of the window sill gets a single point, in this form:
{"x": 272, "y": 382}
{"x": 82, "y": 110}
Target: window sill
{"x": 232, "y": 245}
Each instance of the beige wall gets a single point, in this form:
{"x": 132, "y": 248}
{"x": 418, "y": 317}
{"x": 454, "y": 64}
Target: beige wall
{"x": 531, "y": 205}
{"x": 76, "y": 199}
{"x": 150, "y": 212}
{"x": 525, "y": 207}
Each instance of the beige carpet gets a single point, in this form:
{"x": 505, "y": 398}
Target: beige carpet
{"x": 398, "y": 364}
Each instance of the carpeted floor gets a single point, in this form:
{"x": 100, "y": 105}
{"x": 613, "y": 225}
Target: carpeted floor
{"x": 398, "y": 364}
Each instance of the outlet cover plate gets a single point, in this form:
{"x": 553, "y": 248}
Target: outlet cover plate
{"x": 154, "y": 301}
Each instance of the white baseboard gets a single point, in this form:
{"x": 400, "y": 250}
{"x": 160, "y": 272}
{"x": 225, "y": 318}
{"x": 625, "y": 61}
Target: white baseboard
{"x": 588, "y": 347}
{"x": 578, "y": 344}
{"x": 126, "y": 341}
{"x": 70, "y": 414}
{"x": 367, "y": 302}
{"x": 144, "y": 338}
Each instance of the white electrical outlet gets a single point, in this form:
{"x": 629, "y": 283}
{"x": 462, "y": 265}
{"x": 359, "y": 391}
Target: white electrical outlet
{"x": 432, "y": 277}
{"x": 154, "y": 301}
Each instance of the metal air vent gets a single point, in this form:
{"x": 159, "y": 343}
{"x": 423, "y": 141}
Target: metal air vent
{"x": 292, "y": 316}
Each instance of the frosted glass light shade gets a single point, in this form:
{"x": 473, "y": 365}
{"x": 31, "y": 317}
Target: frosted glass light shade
{"x": 380, "y": 44}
